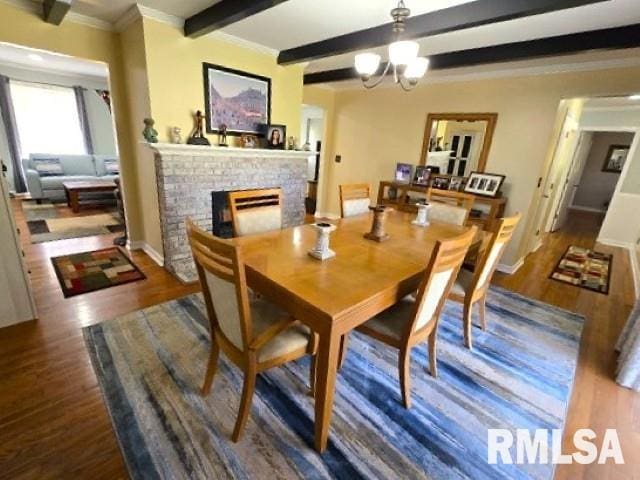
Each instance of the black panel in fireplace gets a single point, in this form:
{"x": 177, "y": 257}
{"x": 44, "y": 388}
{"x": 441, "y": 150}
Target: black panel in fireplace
{"x": 221, "y": 218}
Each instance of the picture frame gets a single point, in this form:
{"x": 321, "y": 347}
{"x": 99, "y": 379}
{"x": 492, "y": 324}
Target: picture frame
{"x": 616, "y": 158}
{"x": 456, "y": 184}
{"x": 276, "y": 136}
{"x": 440, "y": 183}
{"x": 422, "y": 176}
{"x": 249, "y": 141}
{"x": 237, "y": 99}
{"x": 403, "y": 173}
{"x": 484, "y": 184}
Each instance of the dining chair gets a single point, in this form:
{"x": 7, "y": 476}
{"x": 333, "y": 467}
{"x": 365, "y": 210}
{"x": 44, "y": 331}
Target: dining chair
{"x": 448, "y": 206}
{"x": 471, "y": 287}
{"x": 415, "y": 318}
{"x": 255, "y": 211}
{"x": 255, "y": 335}
{"x": 354, "y": 199}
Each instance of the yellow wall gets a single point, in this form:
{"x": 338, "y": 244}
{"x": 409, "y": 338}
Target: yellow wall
{"x": 176, "y": 84}
{"x": 373, "y": 130}
{"x": 26, "y": 28}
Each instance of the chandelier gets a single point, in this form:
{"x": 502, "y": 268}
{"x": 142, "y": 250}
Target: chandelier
{"x": 408, "y": 68}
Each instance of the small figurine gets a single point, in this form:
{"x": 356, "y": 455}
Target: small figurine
{"x": 222, "y": 135}
{"x": 197, "y": 136}
{"x": 149, "y": 133}
{"x": 291, "y": 143}
{"x": 176, "y": 136}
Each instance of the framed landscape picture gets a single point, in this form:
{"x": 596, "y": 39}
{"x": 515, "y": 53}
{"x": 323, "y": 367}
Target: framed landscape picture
{"x": 239, "y": 100}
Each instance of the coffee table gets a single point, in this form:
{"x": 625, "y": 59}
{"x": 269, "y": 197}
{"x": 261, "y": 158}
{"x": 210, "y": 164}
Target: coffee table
{"x": 74, "y": 189}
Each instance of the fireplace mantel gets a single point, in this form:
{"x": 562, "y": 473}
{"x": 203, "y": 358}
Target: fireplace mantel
{"x": 233, "y": 152}
{"x": 187, "y": 174}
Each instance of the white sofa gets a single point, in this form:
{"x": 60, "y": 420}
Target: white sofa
{"x": 75, "y": 168}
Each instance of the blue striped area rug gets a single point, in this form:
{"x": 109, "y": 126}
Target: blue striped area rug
{"x": 150, "y": 365}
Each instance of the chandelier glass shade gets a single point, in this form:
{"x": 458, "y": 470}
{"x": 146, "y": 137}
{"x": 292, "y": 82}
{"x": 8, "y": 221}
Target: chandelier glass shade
{"x": 408, "y": 67}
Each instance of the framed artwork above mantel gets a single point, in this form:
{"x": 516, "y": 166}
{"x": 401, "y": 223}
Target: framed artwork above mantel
{"x": 239, "y": 100}
{"x": 459, "y": 142}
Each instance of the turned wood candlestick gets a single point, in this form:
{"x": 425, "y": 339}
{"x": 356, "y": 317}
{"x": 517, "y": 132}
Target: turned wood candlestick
{"x": 321, "y": 250}
{"x": 377, "y": 232}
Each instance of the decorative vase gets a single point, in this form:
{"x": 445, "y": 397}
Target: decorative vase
{"x": 422, "y": 219}
{"x": 377, "y": 232}
{"x": 321, "y": 250}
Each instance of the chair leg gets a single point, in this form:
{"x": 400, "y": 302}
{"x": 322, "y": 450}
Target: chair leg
{"x": 433, "y": 361}
{"x": 312, "y": 375}
{"x": 344, "y": 345}
{"x": 404, "y": 369}
{"x": 483, "y": 311}
{"x": 211, "y": 367}
{"x": 467, "y": 311}
{"x": 245, "y": 402}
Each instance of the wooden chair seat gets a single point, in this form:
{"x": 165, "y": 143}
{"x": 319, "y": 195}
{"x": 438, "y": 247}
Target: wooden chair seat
{"x": 392, "y": 323}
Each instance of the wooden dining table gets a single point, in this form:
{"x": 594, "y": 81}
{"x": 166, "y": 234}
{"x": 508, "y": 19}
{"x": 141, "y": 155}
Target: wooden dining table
{"x": 334, "y": 296}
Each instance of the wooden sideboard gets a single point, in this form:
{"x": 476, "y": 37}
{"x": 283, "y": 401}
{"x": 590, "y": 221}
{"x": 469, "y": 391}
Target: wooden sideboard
{"x": 408, "y": 195}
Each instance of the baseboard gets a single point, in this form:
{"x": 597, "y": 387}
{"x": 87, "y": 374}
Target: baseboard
{"x": 148, "y": 249}
{"x": 510, "y": 269}
{"x": 615, "y": 243}
{"x": 587, "y": 209}
{"x": 539, "y": 243}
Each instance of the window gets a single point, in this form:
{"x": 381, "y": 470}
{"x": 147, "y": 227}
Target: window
{"x": 47, "y": 119}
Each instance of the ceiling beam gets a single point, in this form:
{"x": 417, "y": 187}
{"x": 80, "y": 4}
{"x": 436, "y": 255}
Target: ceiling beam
{"x": 460, "y": 17}
{"x": 224, "y": 13}
{"x": 606, "y": 39}
{"x": 54, "y": 11}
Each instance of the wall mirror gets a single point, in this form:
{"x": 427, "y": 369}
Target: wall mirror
{"x": 458, "y": 143}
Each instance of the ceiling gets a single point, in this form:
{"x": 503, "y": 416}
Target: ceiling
{"x": 44, "y": 61}
{"x": 298, "y": 22}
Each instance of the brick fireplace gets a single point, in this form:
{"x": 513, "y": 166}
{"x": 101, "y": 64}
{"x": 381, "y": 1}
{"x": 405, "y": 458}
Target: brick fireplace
{"x": 187, "y": 175}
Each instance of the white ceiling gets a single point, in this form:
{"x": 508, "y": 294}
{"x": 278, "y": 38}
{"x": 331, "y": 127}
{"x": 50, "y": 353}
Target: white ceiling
{"x": 13, "y": 55}
{"x": 297, "y": 22}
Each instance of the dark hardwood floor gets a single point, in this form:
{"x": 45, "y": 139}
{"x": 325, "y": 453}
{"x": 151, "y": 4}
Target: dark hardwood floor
{"x": 53, "y": 422}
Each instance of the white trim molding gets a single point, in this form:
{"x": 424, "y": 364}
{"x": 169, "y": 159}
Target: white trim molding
{"x": 635, "y": 270}
{"x": 36, "y": 8}
{"x": 510, "y": 269}
{"x": 148, "y": 249}
{"x": 205, "y": 151}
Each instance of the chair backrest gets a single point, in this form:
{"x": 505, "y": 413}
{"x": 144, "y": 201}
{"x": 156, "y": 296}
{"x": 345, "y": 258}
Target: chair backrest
{"x": 458, "y": 199}
{"x": 255, "y": 211}
{"x": 354, "y": 199}
{"x": 448, "y": 206}
{"x": 501, "y": 233}
{"x": 224, "y": 287}
{"x": 444, "y": 264}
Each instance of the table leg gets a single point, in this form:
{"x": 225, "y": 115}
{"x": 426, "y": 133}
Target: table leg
{"x": 74, "y": 201}
{"x": 325, "y": 386}
{"x": 66, "y": 193}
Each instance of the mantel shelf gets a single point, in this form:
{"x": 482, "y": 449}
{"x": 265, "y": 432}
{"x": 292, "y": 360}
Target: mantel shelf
{"x": 214, "y": 151}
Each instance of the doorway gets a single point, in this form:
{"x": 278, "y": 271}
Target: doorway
{"x": 59, "y": 147}
{"x": 312, "y": 132}
{"x": 592, "y": 178}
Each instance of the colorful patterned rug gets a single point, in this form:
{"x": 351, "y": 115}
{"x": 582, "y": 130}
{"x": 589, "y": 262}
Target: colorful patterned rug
{"x": 584, "y": 268}
{"x": 89, "y": 271}
{"x": 150, "y": 365}
{"x": 45, "y": 224}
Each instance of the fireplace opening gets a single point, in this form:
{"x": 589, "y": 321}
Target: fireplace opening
{"x": 221, "y": 213}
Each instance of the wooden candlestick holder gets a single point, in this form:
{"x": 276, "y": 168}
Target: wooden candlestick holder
{"x": 377, "y": 232}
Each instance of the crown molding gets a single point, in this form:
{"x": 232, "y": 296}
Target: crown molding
{"x": 127, "y": 18}
{"x": 160, "y": 16}
{"x": 36, "y": 8}
{"x": 241, "y": 42}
